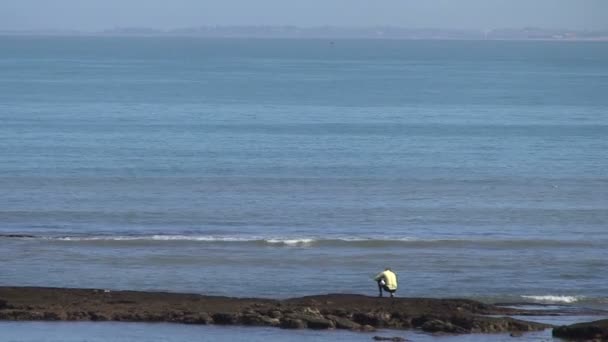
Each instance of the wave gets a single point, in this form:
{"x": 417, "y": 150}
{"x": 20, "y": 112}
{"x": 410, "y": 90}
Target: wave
{"x": 313, "y": 241}
{"x": 554, "y": 299}
{"x": 255, "y": 240}
{"x": 189, "y": 238}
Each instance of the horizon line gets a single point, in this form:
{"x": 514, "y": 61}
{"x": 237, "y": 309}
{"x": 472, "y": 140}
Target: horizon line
{"x": 302, "y": 27}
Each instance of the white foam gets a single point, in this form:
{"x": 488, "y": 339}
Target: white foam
{"x": 553, "y": 299}
{"x": 291, "y": 242}
{"x": 154, "y": 238}
{"x": 209, "y": 238}
{"x": 272, "y": 240}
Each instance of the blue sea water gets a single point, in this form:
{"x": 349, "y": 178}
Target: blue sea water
{"x": 281, "y": 168}
{"x": 157, "y": 332}
{"x": 126, "y": 332}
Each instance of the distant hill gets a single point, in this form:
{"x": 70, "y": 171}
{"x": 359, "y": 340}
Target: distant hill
{"x": 334, "y": 32}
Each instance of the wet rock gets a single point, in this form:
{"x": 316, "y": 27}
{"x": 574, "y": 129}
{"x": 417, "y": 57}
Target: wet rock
{"x": 402, "y": 322}
{"x": 77, "y": 316}
{"x": 96, "y": 316}
{"x": 340, "y": 313}
{"x": 311, "y": 311}
{"x": 197, "y": 318}
{"x": 436, "y": 325}
{"x": 344, "y": 323}
{"x": 256, "y": 319}
{"x": 344, "y": 311}
{"x": 174, "y": 316}
{"x": 315, "y": 322}
{"x": 418, "y": 321}
{"x": 225, "y": 318}
{"x": 53, "y": 316}
{"x": 275, "y": 314}
{"x": 367, "y": 328}
{"x": 393, "y": 339}
{"x": 505, "y": 324}
{"x": 121, "y": 317}
{"x": 516, "y": 334}
{"x": 120, "y": 302}
{"x": 154, "y": 317}
{"x": 374, "y": 319}
{"x": 20, "y": 315}
{"x": 597, "y": 330}
{"x": 292, "y": 323}
{"x": 312, "y": 318}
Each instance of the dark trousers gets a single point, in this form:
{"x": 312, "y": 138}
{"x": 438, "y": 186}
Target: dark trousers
{"x": 385, "y": 288}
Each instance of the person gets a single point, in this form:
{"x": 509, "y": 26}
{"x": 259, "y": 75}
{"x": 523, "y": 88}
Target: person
{"x": 387, "y": 281}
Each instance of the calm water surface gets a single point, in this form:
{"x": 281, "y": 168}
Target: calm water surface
{"x": 282, "y": 168}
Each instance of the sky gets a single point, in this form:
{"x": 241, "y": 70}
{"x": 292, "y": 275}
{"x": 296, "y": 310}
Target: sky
{"x": 94, "y": 15}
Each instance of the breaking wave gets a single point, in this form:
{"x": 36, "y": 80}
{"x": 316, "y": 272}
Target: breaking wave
{"x": 554, "y": 299}
{"x": 309, "y": 241}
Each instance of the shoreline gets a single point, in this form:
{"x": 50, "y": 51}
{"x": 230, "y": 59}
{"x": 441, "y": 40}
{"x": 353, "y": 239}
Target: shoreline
{"x": 331, "y": 311}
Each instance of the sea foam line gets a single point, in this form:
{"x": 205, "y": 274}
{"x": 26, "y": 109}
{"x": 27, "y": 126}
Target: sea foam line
{"x": 215, "y": 238}
{"x": 554, "y": 299}
{"x": 306, "y": 241}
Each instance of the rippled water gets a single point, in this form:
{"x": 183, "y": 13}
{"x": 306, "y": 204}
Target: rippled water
{"x": 281, "y": 168}
{"x": 126, "y": 332}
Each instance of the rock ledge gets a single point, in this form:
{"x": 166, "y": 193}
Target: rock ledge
{"x": 590, "y": 331}
{"x": 332, "y": 311}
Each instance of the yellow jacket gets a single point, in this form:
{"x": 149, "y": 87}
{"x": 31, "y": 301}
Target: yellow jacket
{"x": 390, "y": 278}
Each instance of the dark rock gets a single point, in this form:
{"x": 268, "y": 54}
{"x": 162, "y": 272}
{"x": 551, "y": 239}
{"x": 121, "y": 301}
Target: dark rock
{"x": 417, "y": 322}
{"x": 96, "y": 316}
{"x": 20, "y": 315}
{"x": 375, "y": 319}
{"x": 121, "y": 302}
{"x": 257, "y": 319}
{"x": 52, "y": 316}
{"x": 154, "y": 317}
{"x": 394, "y": 339}
{"x": 311, "y": 311}
{"x": 316, "y": 322}
{"x": 340, "y": 313}
{"x": 436, "y": 325}
{"x": 516, "y": 334}
{"x": 122, "y": 317}
{"x": 505, "y": 324}
{"x": 194, "y": 318}
{"x": 275, "y": 314}
{"x": 404, "y": 322}
{"x": 175, "y": 316}
{"x": 292, "y": 323}
{"x": 344, "y": 311}
{"x": 344, "y": 323}
{"x": 225, "y": 318}
{"x": 77, "y": 316}
{"x": 312, "y": 318}
{"x": 367, "y": 328}
{"x": 597, "y": 330}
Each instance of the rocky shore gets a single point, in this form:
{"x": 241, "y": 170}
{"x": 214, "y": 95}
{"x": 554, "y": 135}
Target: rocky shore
{"x": 333, "y": 311}
{"x": 590, "y": 331}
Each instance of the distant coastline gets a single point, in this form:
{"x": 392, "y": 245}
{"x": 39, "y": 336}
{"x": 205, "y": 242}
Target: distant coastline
{"x": 332, "y": 32}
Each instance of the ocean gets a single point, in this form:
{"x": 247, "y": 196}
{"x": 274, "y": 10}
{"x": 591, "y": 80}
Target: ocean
{"x": 282, "y": 168}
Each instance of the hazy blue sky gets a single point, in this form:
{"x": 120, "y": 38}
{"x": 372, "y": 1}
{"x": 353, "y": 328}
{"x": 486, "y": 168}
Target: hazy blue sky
{"x": 100, "y": 14}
